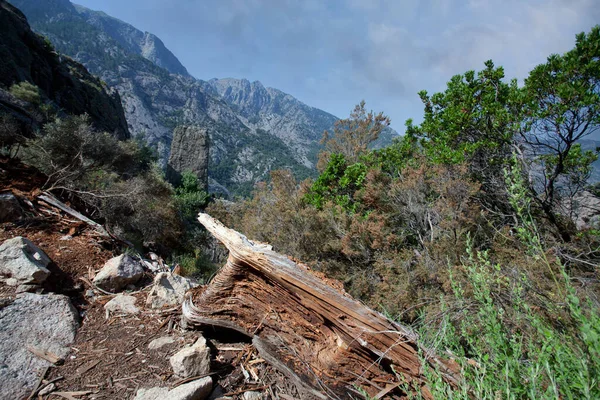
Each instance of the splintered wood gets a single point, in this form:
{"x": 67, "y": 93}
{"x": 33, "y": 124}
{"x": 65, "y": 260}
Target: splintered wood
{"x": 327, "y": 343}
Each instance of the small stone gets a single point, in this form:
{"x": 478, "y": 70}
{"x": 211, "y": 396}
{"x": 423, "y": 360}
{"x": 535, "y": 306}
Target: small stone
{"x": 123, "y": 304}
{"x": 160, "y": 342}
{"x": 168, "y": 290}
{"x": 24, "y": 261}
{"x": 90, "y": 293}
{"x": 66, "y": 237}
{"x": 27, "y": 288}
{"x": 118, "y": 272}
{"x": 195, "y": 390}
{"x": 10, "y": 209}
{"x": 192, "y": 360}
{"x": 47, "y": 390}
{"x": 11, "y": 282}
{"x": 252, "y": 396}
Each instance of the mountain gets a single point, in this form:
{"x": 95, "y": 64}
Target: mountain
{"x": 28, "y": 57}
{"x": 252, "y": 129}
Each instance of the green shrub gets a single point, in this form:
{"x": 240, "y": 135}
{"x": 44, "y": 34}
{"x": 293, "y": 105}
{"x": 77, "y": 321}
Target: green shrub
{"x": 189, "y": 197}
{"x": 27, "y": 92}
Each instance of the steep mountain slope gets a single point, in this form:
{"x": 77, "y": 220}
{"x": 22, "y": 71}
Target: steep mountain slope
{"x": 28, "y": 57}
{"x": 252, "y": 129}
{"x": 133, "y": 40}
{"x": 282, "y": 115}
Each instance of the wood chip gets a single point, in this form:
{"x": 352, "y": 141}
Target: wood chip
{"x": 86, "y": 367}
{"x": 71, "y": 395}
{"x": 46, "y": 355}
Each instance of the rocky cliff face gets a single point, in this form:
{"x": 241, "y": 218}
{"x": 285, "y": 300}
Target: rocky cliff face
{"x": 297, "y": 124}
{"x": 252, "y": 129}
{"x": 189, "y": 153}
{"x": 28, "y": 57}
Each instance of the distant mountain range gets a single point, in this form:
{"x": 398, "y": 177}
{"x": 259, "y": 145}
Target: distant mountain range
{"x": 253, "y": 129}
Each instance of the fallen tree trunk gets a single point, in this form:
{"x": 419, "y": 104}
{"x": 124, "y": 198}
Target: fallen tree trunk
{"x": 306, "y": 326}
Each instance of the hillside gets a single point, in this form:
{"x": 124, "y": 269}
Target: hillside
{"x": 253, "y": 129}
{"x": 66, "y": 84}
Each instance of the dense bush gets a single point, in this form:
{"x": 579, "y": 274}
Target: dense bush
{"x": 117, "y": 179}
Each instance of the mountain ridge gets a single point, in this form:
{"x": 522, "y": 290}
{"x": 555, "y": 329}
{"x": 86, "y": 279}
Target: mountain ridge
{"x": 253, "y": 129}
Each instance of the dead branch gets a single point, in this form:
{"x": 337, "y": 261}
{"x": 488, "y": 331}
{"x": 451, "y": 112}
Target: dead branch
{"x": 304, "y": 325}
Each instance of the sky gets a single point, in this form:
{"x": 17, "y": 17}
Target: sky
{"x": 331, "y": 54}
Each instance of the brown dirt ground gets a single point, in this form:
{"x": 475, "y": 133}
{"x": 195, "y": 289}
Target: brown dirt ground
{"x": 110, "y": 357}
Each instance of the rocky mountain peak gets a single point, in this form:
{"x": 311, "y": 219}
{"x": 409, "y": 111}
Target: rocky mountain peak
{"x": 133, "y": 40}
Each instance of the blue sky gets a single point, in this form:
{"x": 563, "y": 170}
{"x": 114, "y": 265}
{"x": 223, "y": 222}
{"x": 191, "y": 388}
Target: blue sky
{"x": 331, "y": 54}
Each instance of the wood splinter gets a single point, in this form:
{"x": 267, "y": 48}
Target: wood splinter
{"x": 307, "y": 329}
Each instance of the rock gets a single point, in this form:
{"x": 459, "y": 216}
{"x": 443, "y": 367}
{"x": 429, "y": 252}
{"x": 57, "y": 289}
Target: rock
{"x": 168, "y": 290}
{"x": 252, "y": 396}
{"x": 10, "y": 209}
{"x": 123, "y": 304}
{"x": 23, "y": 260}
{"x": 192, "y": 360}
{"x": 189, "y": 152}
{"x": 118, "y": 272}
{"x": 195, "y": 390}
{"x": 160, "y": 342}
{"x": 48, "y": 323}
{"x": 11, "y": 282}
{"x": 26, "y": 288}
{"x": 47, "y": 390}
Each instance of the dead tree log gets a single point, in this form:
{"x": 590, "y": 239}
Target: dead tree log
{"x": 306, "y": 326}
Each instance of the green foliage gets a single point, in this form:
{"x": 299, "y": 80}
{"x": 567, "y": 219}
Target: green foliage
{"x": 189, "y": 197}
{"x": 196, "y": 265}
{"x": 537, "y": 361}
{"x": 562, "y": 102}
{"x": 477, "y": 113}
{"x": 117, "y": 178}
{"x": 27, "y": 92}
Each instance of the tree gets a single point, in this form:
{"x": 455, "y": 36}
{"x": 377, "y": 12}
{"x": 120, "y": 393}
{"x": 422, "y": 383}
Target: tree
{"x": 473, "y": 121}
{"x": 352, "y": 136}
{"x": 563, "y": 106}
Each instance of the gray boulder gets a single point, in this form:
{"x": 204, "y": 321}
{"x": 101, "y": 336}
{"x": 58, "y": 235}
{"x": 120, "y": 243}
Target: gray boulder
{"x": 192, "y": 360}
{"x": 168, "y": 290}
{"x": 24, "y": 261}
{"x": 122, "y": 304}
{"x": 46, "y": 323}
{"x": 118, "y": 272}
{"x": 195, "y": 390}
{"x": 10, "y": 209}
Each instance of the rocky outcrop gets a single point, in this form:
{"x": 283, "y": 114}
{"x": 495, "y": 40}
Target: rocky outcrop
{"x": 195, "y": 390}
{"x": 26, "y": 56}
{"x": 168, "y": 290}
{"x": 189, "y": 153}
{"x": 23, "y": 261}
{"x": 118, "y": 272}
{"x": 33, "y": 324}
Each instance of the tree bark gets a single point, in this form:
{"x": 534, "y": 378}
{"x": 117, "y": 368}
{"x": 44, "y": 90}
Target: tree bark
{"x": 307, "y": 327}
